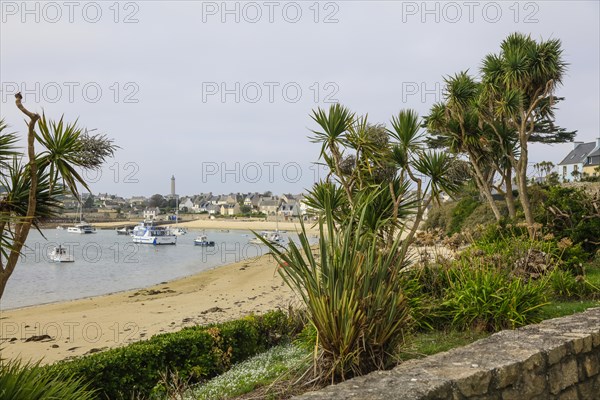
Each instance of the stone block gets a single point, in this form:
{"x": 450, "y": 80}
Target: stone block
{"x": 591, "y": 365}
{"x": 569, "y": 394}
{"x": 529, "y": 387}
{"x": 563, "y": 375}
{"x": 475, "y": 385}
{"x": 556, "y": 354}
{"x": 508, "y": 375}
{"x": 586, "y": 391}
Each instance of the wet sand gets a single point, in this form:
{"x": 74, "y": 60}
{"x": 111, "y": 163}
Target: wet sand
{"x": 97, "y": 323}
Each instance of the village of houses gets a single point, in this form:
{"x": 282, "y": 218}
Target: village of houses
{"x": 105, "y": 206}
{"x": 581, "y": 162}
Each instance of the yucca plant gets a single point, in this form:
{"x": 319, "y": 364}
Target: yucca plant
{"x": 24, "y": 381}
{"x": 351, "y": 289}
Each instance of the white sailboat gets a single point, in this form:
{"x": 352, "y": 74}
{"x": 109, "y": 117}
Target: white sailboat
{"x": 269, "y": 236}
{"x": 82, "y": 226}
{"x": 273, "y": 237}
{"x": 177, "y": 230}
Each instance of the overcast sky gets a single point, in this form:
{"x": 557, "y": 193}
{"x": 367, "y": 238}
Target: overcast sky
{"x": 219, "y": 93}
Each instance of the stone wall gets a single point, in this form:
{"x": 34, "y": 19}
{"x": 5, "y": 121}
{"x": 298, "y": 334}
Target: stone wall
{"x": 556, "y": 359}
{"x": 593, "y": 188}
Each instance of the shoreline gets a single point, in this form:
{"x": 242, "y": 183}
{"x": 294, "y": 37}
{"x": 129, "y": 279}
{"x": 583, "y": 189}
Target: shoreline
{"x": 230, "y": 224}
{"x": 174, "y": 280}
{"x": 91, "y": 324}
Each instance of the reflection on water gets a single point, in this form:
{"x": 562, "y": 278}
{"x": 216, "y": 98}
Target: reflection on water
{"x": 106, "y": 262}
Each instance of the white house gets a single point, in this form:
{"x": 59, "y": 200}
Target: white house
{"x": 151, "y": 212}
{"x": 290, "y": 209}
{"x": 570, "y": 168}
{"x": 252, "y": 200}
{"x": 305, "y": 208}
{"x": 186, "y": 202}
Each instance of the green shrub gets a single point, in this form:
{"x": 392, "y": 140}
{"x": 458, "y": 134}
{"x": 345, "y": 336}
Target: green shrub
{"x": 461, "y": 211}
{"x": 20, "y": 381}
{"x": 193, "y": 353}
{"x": 571, "y": 213}
{"x": 565, "y": 285}
{"x": 488, "y": 300}
{"x": 483, "y": 215}
{"x": 454, "y": 216}
{"x": 439, "y": 217}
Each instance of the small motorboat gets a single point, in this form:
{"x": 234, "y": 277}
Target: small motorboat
{"x": 178, "y": 231}
{"x": 123, "y": 231}
{"x": 271, "y": 237}
{"x": 60, "y": 228}
{"x": 203, "y": 241}
{"x": 60, "y": 254}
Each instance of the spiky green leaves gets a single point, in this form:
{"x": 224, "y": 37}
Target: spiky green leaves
{"x": 68, "y": 148}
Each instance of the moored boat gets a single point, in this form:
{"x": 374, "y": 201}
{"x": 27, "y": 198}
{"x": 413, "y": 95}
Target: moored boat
{"x": 123, "y": 231}
{"x": 82, "y": 227}
{"x": 148, "y": 233}
{"x": 60, "y": 254}
{"x": 178, "y": 231}
{"x": 271, "y": 237}
{"x": 202, "y": 240}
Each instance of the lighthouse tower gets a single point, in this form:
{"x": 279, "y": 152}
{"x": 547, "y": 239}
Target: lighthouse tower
{"x": 173, "y": 186}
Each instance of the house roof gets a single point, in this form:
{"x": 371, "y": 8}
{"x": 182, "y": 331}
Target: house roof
{"x": 578, "y": 154}
{"x": 594, "y": 158}
{"x": 269, "y": 203}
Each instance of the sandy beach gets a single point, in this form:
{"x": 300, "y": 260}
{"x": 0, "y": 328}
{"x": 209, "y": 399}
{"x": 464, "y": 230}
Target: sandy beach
{"x": 235, "y": 224}
{"x": 97, "y": 323}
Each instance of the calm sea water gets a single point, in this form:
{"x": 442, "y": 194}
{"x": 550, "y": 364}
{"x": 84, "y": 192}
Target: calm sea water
{"x": 106, "y": 263}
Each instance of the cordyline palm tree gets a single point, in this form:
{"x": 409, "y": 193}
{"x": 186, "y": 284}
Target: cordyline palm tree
{"x": 454, "y": 124}
{"x": 364, "y": 158}
{"x": 378, "y": 179}
{"x": 32, "y": 189}
{"x": 518, "y": 88}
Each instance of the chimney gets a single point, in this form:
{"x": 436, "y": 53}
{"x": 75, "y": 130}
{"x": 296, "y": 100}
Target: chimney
{"x": 575, "y": 144}
{"x": 598, "y": 143}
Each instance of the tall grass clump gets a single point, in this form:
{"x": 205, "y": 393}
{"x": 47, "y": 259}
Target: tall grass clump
{"x": 381, "y": 182}
{"x": 351, "y": 289}
{"x": 25, "y": 381}
{"x": 487, "y": 299}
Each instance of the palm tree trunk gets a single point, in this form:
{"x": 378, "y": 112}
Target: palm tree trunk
{"x": 22, "y": 228}
{"x": 510, "y": 198}
{"x": 522, "y": 179}
{"x": 484, "y": 188}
